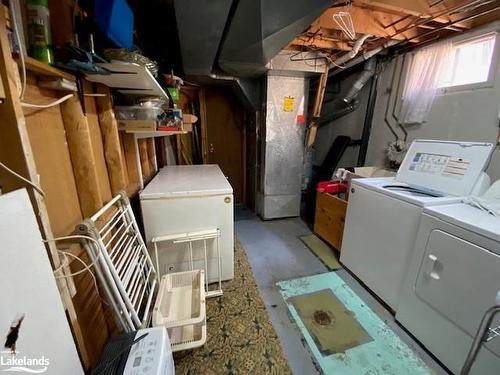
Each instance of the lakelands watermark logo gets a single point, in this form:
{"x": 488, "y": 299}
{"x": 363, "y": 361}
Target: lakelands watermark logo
{"x": 11, "y": 363}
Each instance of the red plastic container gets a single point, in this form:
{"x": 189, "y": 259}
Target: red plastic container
{"x": 331, "y": 187}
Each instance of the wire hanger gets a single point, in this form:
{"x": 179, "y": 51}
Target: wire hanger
{"x": 344, "y": 21}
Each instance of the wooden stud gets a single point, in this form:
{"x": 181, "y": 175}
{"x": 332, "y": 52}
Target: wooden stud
{"x": 132, "y": 161}
{"x": 82, "y": 157}
{"x": 97, "y": 144}
{"x": 203, "y": 126}
{"x": 112, "y": 150}
{"x": 143, "y": 154}
{"x": 318, "y": 105}
{"x": 320, "y": 93}
{"x": 152, "y": 155}
{"x": 51, "y": 154}
{"x": 16, "y": 153}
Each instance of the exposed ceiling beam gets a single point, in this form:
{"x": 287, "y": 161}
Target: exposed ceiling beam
{"x": 366, "y": 22}
{"x": 322, "y": 43}
{"x": 413, "y": 7}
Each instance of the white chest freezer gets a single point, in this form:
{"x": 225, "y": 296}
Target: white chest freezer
{"x": 192, "y": 198}
{"x": 384, "y": 213}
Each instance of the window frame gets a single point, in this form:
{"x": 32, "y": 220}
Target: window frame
{"x": 490, "y": 82}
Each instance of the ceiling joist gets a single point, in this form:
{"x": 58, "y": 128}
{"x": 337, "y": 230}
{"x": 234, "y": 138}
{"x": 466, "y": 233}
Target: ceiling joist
{"x": 413, "y": 23}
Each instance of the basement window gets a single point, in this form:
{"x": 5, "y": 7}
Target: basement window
{"x": 469, "y": 64}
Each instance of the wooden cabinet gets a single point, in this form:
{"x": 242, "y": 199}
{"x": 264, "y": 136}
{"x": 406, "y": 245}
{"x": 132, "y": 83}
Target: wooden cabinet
{"x": 330, "y": 218}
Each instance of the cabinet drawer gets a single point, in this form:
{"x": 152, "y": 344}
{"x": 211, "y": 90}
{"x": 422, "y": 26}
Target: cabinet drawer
{"x": 330, "y": 218}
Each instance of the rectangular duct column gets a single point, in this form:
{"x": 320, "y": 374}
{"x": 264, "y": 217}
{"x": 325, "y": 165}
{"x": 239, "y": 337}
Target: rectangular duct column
{"x": 283, "y": 147}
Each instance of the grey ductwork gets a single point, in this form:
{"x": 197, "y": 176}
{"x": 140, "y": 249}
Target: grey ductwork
{"x": 352, "y": 53}
{"x": 260, "y": 29}
{"x": 200, "y": 26}
{"x": 368, "y": 72}
{"x": 247, "y": 90}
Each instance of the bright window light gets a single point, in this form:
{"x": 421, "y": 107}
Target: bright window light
{"x": 469, "y": 62}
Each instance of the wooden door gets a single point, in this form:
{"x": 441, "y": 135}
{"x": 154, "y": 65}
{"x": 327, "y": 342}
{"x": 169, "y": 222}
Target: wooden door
{"x": 225, "y": 137}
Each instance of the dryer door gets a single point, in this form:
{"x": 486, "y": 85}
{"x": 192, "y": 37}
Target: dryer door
{"x": 460, "y": 280}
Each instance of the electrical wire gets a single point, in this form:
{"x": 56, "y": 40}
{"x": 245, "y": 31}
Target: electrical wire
{"x": 86, "y": 267}
{"x": 48, "y": 105}
{"x": 29, "y": 182}
{"x": 73, "y": 236}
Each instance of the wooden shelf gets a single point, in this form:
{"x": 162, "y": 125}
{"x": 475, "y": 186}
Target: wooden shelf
{"x": 42, "y": 69}
{"x": 145, "y": 134}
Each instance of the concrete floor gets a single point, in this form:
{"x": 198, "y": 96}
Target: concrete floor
{"x": 276, "y": 253}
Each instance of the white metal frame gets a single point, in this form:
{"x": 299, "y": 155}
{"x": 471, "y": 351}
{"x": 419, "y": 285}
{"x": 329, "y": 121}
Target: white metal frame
{"x": 189, "y": 238}
{"x": 125, "y": 269}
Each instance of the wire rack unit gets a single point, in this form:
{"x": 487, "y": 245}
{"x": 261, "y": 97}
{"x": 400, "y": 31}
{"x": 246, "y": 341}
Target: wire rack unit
{"x": 189, "y": 238}
{"x": 130, "y": 283}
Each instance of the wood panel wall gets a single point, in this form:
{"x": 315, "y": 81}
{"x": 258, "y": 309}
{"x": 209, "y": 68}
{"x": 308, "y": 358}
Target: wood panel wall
{"x": 79, "y": 160}
{"x": 77, "y": 170}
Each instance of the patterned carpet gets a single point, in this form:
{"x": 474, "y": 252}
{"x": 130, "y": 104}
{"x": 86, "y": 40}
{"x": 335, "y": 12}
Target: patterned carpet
{"x": 241, "y": 338}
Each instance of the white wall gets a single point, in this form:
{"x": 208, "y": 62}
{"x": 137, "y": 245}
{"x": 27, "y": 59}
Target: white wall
{"x": 468, "y": 115}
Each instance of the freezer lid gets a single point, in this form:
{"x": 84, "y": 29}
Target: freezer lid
{"x": 469, "y": 218}
{"x": 187, "y": 181}
{"x": 446, "y": 167}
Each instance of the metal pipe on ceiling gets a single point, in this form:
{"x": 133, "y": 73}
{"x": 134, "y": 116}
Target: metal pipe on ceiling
{"x": 444, "y": 26}
{"x": 364, "y": 56}
{"x": 424, "y": 21}
{"x": 352, "y": 53}
{"x": 391, "y": 43}
{"x": 398, "y": 21}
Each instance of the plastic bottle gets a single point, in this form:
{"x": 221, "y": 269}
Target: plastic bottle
{"x": 40, "y": 38}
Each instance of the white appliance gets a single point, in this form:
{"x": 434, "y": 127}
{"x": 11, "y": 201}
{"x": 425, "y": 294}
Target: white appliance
{"x": 182, "y": 199}
{"x": 453, "y": 278}
{"x": 145, "y": 352}
{"x": 31, "y": 306}
{"x": 383, "y": 213}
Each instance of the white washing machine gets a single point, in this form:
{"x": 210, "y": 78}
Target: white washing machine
{"x": 452, "y": 280}
{"x": 383, "y": 213}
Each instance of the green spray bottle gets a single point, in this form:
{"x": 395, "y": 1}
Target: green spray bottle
{"x": 40, "y": 38}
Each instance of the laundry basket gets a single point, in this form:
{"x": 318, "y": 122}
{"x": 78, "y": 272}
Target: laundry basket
{"x": 180, "y": 307}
